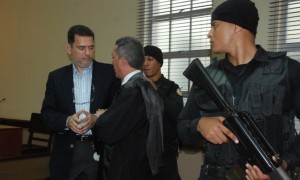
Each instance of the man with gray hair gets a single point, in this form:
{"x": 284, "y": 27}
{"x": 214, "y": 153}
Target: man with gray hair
{"x": 131, "y": 128}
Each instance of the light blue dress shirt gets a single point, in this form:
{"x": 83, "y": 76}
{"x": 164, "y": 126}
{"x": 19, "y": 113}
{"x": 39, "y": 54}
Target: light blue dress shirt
{"x": 82, "y": 90}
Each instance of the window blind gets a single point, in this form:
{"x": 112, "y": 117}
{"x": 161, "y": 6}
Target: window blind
{"x": 284, "y": 27}
{"x": 179, "y": 28}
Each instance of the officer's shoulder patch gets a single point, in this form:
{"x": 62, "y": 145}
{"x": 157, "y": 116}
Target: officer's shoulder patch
{"x": 179, "y": 92}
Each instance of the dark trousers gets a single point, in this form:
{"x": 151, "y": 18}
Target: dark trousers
{"x": 83, "y": 164}
{"x": 169, "y": 170}
{"x": 209, "y": 172}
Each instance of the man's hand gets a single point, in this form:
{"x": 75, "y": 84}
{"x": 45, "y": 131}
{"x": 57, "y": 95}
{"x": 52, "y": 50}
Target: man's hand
{"x": 254, "y": 173}
{"x": 81, "y": 126}
{"x": 88, "y": 122}
{"x": 99, "y": 112}
{"x": 73, "y": 122}
{"x": 214, "y": 131}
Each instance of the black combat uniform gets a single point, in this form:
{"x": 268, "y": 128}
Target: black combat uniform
{"x": 173, "y": 104}
{"x": 268, "y": 87}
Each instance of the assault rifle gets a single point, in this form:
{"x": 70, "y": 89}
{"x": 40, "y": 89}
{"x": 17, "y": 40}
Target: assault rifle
{"x": 253, "y": 146}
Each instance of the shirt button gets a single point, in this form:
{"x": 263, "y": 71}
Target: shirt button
{"x": 71, "y": 146}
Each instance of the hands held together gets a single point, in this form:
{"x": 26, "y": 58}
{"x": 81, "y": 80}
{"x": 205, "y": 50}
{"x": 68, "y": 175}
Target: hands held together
{"x": 82, "y": 125}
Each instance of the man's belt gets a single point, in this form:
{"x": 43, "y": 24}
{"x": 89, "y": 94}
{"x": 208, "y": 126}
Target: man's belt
{"x": 84, "y": 138}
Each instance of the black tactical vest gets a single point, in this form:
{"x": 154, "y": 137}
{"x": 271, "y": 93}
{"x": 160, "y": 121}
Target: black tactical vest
{"x": 265, "y": 95}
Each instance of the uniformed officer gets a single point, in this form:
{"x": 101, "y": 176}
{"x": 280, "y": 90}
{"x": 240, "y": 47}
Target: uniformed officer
{"x": 173, "y": 104}
{"x": 266, "y": 84}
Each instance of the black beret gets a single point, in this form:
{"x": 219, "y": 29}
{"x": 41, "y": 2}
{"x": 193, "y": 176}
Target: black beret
{"x": 154, "y": 52}
{"x": 239, "y": 12}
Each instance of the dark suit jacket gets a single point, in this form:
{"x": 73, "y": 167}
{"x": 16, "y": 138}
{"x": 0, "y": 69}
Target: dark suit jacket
{"x": 124, "y": 129}
{"x": 58, "y": 105}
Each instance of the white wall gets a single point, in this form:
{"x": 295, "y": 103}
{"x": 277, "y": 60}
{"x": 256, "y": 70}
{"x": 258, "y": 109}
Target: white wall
{"x": 33, "y": 37}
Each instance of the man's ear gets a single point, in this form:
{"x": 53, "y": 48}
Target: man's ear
{"x": 68, "y": 48}
{"x": 123, "y": 61}
{"x": 237, "y": 28}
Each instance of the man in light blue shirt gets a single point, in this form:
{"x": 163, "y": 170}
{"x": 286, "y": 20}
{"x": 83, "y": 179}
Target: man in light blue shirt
{"x": 73, "y": 95}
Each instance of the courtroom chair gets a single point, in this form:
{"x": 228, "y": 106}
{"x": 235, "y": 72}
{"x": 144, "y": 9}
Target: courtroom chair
{"x": 40, "y": 138}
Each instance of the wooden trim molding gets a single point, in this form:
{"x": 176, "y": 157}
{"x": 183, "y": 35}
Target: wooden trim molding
{"x": 14, "y": 122}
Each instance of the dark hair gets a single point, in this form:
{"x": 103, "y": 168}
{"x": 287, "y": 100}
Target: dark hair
{"x": 132, "y": 50}
{"x": 80, "y": 30}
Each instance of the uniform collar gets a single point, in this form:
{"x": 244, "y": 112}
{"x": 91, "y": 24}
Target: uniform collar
{"x": 160, "y": 80}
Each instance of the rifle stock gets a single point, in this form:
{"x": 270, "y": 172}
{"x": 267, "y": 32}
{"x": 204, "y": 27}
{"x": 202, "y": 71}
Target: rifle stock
{"x": 253, "y": 146}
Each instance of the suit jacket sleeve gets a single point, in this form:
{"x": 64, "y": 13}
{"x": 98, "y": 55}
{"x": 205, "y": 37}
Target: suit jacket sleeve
{"x": 57, "y": 104}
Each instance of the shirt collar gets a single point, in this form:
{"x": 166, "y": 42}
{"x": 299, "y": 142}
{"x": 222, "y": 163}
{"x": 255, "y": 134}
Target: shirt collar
{"x": 261, "y": 55}
{"x": 128, "y": 76}
{"x": 75, "y": 71}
